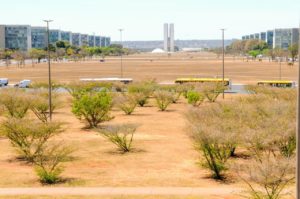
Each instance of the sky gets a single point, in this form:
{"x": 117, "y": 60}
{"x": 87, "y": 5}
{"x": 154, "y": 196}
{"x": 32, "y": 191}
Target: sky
{"x": 144, "y": 19}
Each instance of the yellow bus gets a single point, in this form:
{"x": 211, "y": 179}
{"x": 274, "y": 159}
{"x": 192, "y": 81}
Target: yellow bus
{"x": 227, "y": 82}
{"x": 277, "y": 83}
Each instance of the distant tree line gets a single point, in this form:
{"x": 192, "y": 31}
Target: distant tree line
{"x": 62, "y": 50}
{"x": 255, "y": 47}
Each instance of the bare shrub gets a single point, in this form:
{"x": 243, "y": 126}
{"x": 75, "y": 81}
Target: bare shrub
{"x": 48, "y": 162}
{"x": 212, "y": 90}
{"x": 215, "y": 132}
{"x": 29, "y": 137}
{"x": 15, "y": 102}
{"x": 267, "y": 179}
{"x": 40, "y": 104}
{"x": 163, "y": 99}
{"x": 126, "y": 102}
{"x": 142, "y": 91}
{"x": 269, "y": 125}
{"x": 120, "y": 135}
{"x": 175, "y": 90}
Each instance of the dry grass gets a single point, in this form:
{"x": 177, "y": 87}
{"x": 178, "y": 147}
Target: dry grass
{"x": 140, "y": 67}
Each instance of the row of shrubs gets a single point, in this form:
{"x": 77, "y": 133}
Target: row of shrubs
{"x": 260, "y": 128}
{"x": 30, "y": 131}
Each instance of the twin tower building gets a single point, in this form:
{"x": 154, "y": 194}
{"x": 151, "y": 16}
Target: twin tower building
{"x": 169, "y": 44}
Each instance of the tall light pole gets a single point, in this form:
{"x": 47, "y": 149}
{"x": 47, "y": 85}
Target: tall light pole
{"x": 223, "y": 61}
{"x": 49, "y": 69}
{"x": 121, "y": 42}
{"x": 298, "y": 130}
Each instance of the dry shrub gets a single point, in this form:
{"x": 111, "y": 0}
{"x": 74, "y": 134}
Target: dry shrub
{"x": 269, "y": 125}
{"x": 40, "y": 103}
{"x": 267, "y": 179}
{"x": 120, "y": 135}
{"x": 126, "y": 102}
{"x": 212, "y": 90}
{"x": 15, "y": 102}
{"x": 163, "y": 99}
{"x": 215, "y": 132}
{"x": 142, "y": 91}
{"x": 48, "y": 162}
{"x": 29, "y": 137}
{"x": 175, "y": 90}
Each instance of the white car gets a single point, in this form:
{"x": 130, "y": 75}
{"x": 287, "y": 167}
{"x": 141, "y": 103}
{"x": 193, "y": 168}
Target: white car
{"x": 23, "y": 84}
{"x": 3, "y": 82}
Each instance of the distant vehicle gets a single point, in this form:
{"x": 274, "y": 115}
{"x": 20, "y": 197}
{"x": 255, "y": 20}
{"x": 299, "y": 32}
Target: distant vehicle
{"x": 112, "y": 79}
{"x": 43, "y": 60}
{"x": 277, "y": 83}
{"x": 23, "y": 84}
{"x": 227, "y": 82}
{"x": 102, "y": 60}
{"x": 3, "y": 82}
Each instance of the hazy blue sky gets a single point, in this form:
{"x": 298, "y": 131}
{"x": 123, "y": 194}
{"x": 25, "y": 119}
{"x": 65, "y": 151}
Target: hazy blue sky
{"x": 143, "y": 19}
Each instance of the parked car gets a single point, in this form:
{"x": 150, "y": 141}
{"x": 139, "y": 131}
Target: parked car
{"x": 3, "y": 82}
{"x": 23, "y": 84}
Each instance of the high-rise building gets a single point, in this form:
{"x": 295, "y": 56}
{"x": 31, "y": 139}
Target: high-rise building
{"x": 283, "y": 38}
{"x": 55, "y": 35}
{"x": 76, "y": 39}
{"x": 38, "y": 37}
{"x": 98, "y": 41}
{"x": 66, "y": 36}
{"x": 263, "y": 36}
{"x": 270, "y": 35}
{"x": 15, "y": 37}
{"x": 102, "y": 43}
{"x": 169, "y": 43}
{"x": 92, "y": 41}
{"x": 24, "y": 37}
{"x": 84, "y": 40}
{"x": 107, "y": 41}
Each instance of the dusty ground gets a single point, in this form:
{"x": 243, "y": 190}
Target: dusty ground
{"x": 161, "y": 67}
{"x": 164, "y": 154}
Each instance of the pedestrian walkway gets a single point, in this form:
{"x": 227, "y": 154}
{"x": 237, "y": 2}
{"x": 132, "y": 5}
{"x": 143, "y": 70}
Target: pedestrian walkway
{"x": 119, "y": 191}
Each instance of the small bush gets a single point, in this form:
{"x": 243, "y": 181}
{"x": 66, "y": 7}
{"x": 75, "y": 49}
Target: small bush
{"x": 126, "y": 103}
{"x": 142, "y": 91}
{"x": 93, "y": 107}
{"x": 76, "y": 89}
{"x": 15, "y": 102}
{"x": 29, "y": 137}
{"x": 48, "y": 163}
{"x": 195, "y": 98}
{"x": 40, "y": 104}
{"x": 268, "y": 178}
{"x": 214, "y": 137}
{"x": 163, "y": 99}
{"x": 120, "y": 135}
{"x": 212, "y": 90}
{"x": 175, "y": 90}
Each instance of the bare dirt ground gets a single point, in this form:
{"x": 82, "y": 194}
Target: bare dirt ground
{"x": 161, "y": 67}
{"x": 164, "y": 155}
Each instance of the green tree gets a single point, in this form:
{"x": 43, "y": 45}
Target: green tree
{"x": 293, "y": 50}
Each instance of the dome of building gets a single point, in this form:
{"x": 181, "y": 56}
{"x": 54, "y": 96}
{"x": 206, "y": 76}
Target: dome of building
{"x": 158, "y": 50}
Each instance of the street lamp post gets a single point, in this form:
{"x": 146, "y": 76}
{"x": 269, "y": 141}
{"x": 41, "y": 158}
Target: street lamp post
{"x": 121, "y": 42}
{"x": 49, "y": 69}
{"x": 223, "y": 62}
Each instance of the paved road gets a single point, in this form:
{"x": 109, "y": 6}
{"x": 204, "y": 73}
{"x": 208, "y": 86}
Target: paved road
{"x": 224, "y": 191}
